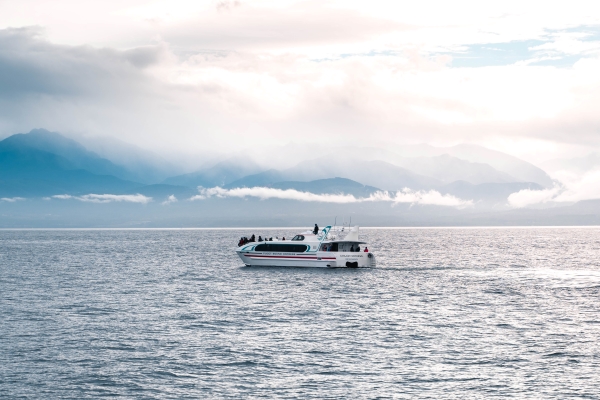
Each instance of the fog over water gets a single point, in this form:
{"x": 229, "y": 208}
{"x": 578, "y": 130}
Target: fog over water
{"x": 447, "y": 313}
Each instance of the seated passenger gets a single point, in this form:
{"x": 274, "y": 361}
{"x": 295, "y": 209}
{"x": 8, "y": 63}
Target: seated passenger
{"x": 357, "y": 248}
{"x": 352, "y": 248}
{"x": 366, "y": 249}
{"x": 259, "y": 238}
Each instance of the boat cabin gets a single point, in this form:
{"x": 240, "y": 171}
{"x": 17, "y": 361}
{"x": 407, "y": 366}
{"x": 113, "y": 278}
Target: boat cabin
{"x": 342, "y": 246}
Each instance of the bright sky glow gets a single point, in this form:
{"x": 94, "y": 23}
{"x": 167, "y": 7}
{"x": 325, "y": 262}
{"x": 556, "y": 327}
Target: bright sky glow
{"x": 185, "y": 76}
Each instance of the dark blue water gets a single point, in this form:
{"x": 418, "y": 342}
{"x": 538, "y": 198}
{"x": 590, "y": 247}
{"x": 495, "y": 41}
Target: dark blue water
{"x": 448, "y": 313}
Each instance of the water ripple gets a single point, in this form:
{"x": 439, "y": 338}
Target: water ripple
{"x": 457, "y": 313}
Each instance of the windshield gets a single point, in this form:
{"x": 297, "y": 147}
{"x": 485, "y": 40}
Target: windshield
{"x": 298, "y": 237}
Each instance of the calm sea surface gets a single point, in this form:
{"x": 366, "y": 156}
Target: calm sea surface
{"x": 448, "y": 313}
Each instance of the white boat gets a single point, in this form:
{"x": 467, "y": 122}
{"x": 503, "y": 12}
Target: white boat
{"x": 306, "y": 249}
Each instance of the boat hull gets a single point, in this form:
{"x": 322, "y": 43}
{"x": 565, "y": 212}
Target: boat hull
{"x": 304, "y": 260}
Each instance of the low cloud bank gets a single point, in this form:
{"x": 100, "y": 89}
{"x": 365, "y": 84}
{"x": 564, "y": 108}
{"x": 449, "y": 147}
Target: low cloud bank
{"x": 11, "y": 199}
{"x": 571, "y": 189}
{"x": 528, "y": 197}
{"x": 107, "y": 198}
{"x": 169, "y": 200}
{"x": 431, "y": 197}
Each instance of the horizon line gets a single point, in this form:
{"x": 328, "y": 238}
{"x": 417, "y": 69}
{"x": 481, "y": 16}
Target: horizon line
{"x": 305, "y": 227}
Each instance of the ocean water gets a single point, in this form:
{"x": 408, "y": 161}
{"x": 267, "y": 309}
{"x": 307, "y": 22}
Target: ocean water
{"x": 448, "y": 313}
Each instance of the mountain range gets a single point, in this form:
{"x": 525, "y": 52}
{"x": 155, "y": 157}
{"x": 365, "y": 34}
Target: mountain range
{"x": 42, "y": 164}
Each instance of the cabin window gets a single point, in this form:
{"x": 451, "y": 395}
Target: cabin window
{"x": 298, "y": 238}
{"x": 349, "y": 246}
{"x": 329, "y": 247}
{"x": 283, "y": 248}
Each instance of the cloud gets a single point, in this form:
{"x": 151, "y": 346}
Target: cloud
{"x": 170, "y": 199}
{"x": 30, "y": 65}
{"x": 264, "y": 193}
{"x": 528, "y": 197}
{"x": 431, "y": 197}
{"x": 189, "y": 76}
{"x": 11, "y": 199}
{"x": 74, "y": 89}
{"x": 572, "y": 188}
{"x": 584, "y": 187}
{"x": 107, "y": 198}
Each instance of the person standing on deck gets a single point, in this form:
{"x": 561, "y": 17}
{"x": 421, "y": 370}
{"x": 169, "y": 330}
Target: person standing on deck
{"x": 316, "y": 230}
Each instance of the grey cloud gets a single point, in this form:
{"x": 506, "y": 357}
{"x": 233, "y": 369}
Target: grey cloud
{"x": 142, "y": 57}
{"x": 75, "y": 89}
{"x": 31, "y": 65}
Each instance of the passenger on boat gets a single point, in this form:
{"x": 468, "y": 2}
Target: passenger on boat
{"x": 366, "y": 249}
{"x": 316, "y": 230}
{"x": 252, "y": 238}
{"x": 259, "y": 238}
{"x": 283, "y": 238}
{"x": 352, "y": 249}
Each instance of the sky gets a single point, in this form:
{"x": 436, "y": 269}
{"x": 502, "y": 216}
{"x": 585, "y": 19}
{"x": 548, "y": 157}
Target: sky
{"x": 220, "y": 76}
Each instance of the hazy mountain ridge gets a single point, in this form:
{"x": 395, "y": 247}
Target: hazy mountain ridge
{"x": 487, "y": 194}
{"x": 522, "y": 170}
{"x": 53, "y": 143}
{"x": 141, "y": 165}
{"x": 220, "y": 174}
{"x": 56, "y": 154}
{"x": 27, "y": 171}
{"x": 372, "y": 173}
{"x": 450, "y": 169}
{"x": 265, "y": 178}
{"x": 43, "y": 164}
{"x": 329, "y": 186}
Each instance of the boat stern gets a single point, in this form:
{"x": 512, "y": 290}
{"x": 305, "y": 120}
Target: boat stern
{"x": 354, "y": 260}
